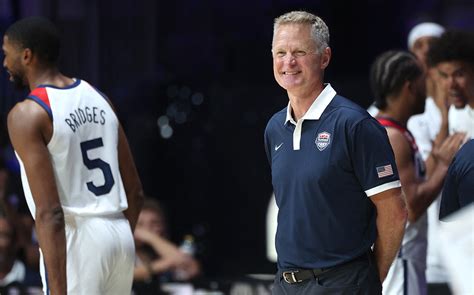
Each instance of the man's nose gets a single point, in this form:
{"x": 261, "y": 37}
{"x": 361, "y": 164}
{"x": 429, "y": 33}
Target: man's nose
{"x": 291, "y": 59}
{"x": 451, "y": 82}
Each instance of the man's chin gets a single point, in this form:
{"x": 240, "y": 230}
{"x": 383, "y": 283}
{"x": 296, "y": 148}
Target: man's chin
{"x": 419, "y": 110}
{"x": 18, "y": 84}
{"x": 459, "y": 104}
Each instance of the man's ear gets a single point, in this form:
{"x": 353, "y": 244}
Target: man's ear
{"x": 410, "y": 86}
{"x": 325, "y": 57}
{"x": 27, "y": 56}
{"x": 408, "y": 89}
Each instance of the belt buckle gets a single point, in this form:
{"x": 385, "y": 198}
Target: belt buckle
{"x": 291, "y": 274}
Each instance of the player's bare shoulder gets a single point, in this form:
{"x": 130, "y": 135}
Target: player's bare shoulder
{"x": 395, "y": 134}
{"x": 399, "y": 143}
{"x": 28, "y": 117}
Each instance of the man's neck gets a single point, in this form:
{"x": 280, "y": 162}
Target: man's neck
{"x": 394, "y": 115}
{"x": 50, "y": 76}
{"x": 398, "y": 108}
{"x": 301, "y": 102}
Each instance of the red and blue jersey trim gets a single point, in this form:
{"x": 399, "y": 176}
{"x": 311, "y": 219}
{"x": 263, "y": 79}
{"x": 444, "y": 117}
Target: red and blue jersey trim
{"x": 40, "y": 96}
{"x": 419, "y": 163}
{"x": 388, "y": 122}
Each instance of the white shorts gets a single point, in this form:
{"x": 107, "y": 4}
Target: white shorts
{"x": 405, "y": 277}
{"x": 100, "y": 255}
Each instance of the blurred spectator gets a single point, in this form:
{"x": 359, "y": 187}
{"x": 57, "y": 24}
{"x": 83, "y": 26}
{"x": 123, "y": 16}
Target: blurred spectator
{"x": 420, "y": 38}
{"x": 158, "y": 259}
{"x": 14, "y": 208}
{"x": 12, "y": 270}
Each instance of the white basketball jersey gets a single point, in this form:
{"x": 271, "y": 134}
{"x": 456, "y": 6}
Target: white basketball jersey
{"x": 83, "y": 150}
{"x": 414, "y": 241}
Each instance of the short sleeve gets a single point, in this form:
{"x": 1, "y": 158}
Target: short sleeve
{"x": 372, "y": 157}
{"x": 458, "y": 185}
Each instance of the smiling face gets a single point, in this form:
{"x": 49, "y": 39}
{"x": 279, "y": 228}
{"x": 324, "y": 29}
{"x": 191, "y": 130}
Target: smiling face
{"x": 457, "y": 78}
{"x": 298, "y": 67}
{"x": 12, "y": 63}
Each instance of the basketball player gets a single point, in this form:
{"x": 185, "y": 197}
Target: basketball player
{"x": 398, "y": 82}
{"x": 78, "y": 173}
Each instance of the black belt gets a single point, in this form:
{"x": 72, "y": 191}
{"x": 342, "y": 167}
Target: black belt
{"x": 301, "y": 275}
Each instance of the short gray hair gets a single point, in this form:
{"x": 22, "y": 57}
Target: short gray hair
{"x": 319, "y": 29}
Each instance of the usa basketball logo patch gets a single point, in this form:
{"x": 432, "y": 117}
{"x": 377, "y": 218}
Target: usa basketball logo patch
{"x": 323, "y": 140}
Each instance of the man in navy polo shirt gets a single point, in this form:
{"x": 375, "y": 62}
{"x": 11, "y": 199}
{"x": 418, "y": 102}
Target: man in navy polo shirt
{"x": 458, "y": 189}
{"x": 333, "y": 172}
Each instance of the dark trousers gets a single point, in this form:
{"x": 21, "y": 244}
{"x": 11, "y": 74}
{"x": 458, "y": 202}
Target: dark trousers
{"x": 358, "y": 277}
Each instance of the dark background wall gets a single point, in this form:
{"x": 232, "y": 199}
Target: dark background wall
{"x": 205, "y": 69}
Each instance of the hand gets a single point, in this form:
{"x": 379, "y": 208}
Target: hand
{"x": 186, "y": 267}
{"x": 438, "y": 91}
{"x": 163, "y": 264}
{"x": 180, "y": 263}
{"x": 445, "y": 152}
{"x": 142, "y": 235}
{"x": 183, "y": 261}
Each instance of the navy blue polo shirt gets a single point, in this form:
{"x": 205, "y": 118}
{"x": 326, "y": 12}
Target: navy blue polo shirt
{"x": 458, "y": 189}
{"x": 324, "y": 168}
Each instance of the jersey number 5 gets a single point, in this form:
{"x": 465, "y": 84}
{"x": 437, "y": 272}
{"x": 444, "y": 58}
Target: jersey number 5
{"x": 97, "y": 164}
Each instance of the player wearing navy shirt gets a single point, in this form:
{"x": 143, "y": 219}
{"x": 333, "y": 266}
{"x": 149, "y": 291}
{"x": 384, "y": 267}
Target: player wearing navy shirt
{"x": 458, "y": 189}
{"x": 333, "y": 172}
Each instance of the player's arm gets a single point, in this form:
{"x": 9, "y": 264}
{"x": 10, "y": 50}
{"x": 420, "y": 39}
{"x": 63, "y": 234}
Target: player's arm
{"x": 391, "y": 220}
{"x": 131, "y": 181}
{"x": 30, "y": 129}
{"x": 420, "y": 194}
{"x": 406, "y": 170}
{"x": 167, "y": 252}
{"x": 371, "y": 149}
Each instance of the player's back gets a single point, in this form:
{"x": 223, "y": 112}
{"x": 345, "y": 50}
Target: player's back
{"x": 83, "y": 150}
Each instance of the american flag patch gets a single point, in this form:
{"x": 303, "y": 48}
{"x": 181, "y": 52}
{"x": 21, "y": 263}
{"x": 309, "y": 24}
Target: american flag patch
{"x": 384, "y": 171}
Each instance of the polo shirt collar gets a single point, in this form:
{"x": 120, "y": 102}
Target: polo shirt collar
{"x": 314, "y": 113}
{"x": 317, "y": 108}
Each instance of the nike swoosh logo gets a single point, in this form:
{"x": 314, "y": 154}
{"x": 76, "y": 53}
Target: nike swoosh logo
{"x": 278, "y": 146}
